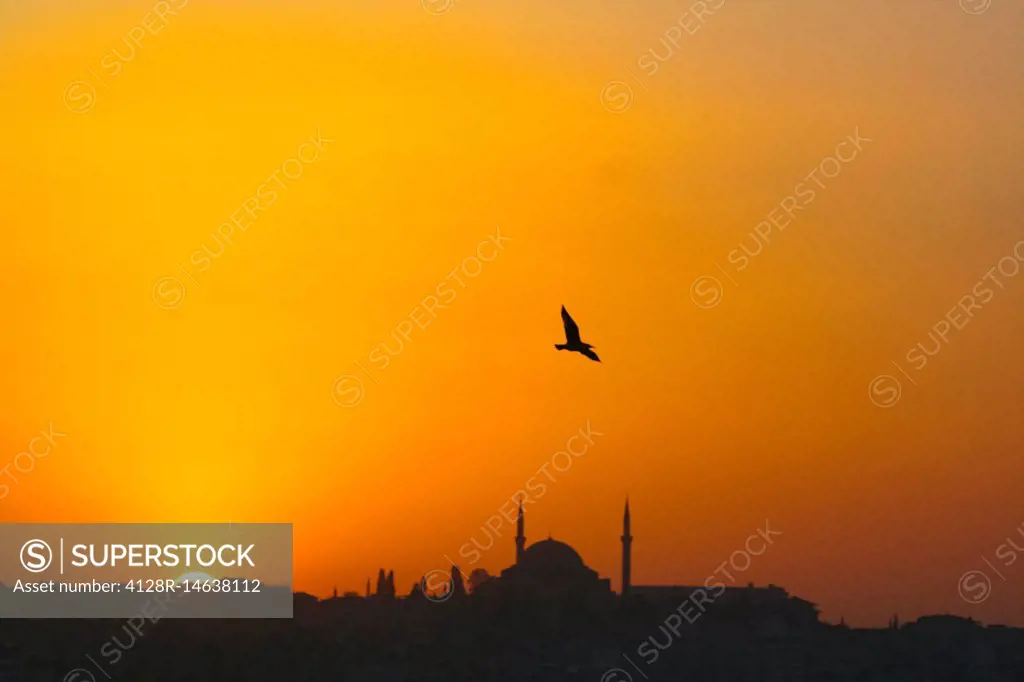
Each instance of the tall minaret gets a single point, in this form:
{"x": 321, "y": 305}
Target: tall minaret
{"x": 627, "y": 542}
{"x": 520, "y": 538}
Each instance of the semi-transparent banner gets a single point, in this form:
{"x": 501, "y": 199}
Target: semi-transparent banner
{"x": 158, "y": 570}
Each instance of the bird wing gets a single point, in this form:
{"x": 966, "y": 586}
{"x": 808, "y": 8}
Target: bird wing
{"x": 591, "y": 354}
{"x": 572, "y": 332}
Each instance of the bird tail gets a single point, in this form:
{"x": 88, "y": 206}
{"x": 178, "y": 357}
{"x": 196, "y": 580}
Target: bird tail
{"x": 560, "y": 346}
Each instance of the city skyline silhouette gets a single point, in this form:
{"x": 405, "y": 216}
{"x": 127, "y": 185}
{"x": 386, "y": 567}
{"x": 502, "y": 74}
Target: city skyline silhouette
{"x": 304, "y": 261}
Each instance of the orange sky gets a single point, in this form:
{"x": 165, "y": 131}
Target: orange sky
{"x": 445, "y": 128}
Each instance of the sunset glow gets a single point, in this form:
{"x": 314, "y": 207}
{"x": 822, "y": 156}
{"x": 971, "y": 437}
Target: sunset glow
{"x": 303, "y": 262}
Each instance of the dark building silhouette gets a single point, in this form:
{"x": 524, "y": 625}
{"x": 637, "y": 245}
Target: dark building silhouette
{"x": 552, "y": 565}
{"x": 548, "y": 617}
{"x": 549, "y": 571}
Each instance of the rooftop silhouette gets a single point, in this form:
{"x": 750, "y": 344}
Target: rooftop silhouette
{"x": 548, "y": 616}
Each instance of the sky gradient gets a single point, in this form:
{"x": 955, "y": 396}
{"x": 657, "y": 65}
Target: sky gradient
{"x": 720, "y": 403}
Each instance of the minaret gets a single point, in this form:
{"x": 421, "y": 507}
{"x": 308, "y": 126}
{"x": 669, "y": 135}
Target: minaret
{"x": 627, "y": 542}
{"x": 520, "y": 538}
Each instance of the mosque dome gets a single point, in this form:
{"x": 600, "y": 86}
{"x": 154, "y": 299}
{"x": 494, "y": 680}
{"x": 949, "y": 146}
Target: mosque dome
{"x": 552, "y": 555}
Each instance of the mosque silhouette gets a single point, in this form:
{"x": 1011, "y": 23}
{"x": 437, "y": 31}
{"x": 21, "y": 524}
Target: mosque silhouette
{"x": 546, "y": 618}
{"x": 550, "y": 576}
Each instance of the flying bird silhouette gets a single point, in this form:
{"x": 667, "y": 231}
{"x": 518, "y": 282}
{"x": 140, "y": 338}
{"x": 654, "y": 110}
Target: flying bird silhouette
{"x": 572, "y": 338}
